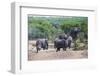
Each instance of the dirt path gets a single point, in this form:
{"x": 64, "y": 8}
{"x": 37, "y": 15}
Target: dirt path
{"x": 49, "y": 55}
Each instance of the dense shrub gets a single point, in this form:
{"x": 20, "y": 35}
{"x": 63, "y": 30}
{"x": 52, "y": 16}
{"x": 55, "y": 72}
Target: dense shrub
{"x": 52, "y": 27}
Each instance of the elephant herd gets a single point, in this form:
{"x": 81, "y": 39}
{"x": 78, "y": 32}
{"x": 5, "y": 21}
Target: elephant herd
{"x": 63, "y": 41}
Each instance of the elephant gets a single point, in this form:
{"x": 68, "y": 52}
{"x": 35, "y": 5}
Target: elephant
{"x": 64, "y": 41}
{"x": 69, "y": 41}
{"x": 41, "y": 43}
{"x": 60, "y": 43}
{"x": 74, "y": 32}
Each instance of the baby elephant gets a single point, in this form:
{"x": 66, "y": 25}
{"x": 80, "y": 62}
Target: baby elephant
{"x": 41, "y": 43}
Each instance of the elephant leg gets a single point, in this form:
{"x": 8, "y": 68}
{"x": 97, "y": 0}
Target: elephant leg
{"x": 69, "y": 45}
{"x": 58, "y": 49}
{"x": 43, "y": 48}
{"x": 37, "y": 50}
{"x": 64, "y": 49}
{"x": 47, "y": 47}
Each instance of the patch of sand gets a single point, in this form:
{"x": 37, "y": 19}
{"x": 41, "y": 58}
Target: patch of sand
{"x": 49, "y": 55}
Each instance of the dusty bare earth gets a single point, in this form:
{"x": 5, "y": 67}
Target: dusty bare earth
{"x": 52, "y": 54}
{"x": 48, "y": 55}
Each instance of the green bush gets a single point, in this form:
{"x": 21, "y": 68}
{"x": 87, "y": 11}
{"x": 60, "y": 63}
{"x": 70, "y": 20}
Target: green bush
{"x": 52, "y": 27}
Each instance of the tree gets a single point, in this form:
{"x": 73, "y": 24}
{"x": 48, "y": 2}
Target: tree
{"x": 52, "y": 27}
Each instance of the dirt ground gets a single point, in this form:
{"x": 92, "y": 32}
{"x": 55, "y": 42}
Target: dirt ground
{"x": 49, "y": 55}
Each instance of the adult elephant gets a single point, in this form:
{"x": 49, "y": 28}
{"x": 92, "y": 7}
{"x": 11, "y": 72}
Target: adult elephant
{"x": 41, "y": 43}
{"x": 74, "y": 32}
{"x": 69, "y": 41}
{"x": 60, "y": 43}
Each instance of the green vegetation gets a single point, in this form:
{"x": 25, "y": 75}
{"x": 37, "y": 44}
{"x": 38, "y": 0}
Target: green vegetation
{"x": 53, "y": 26}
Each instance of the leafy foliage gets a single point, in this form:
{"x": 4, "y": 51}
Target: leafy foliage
{"x": 52, "y": 26}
